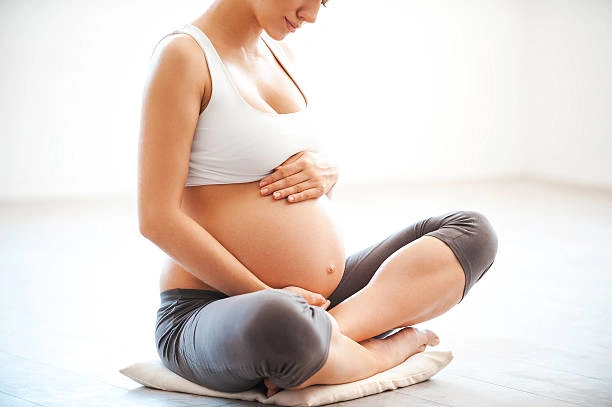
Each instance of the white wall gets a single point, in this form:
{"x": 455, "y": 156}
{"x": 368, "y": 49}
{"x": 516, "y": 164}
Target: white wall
{"x": 71, "y": 78}
{"x": 567, "y": 83}
{"x": 420, "y": 90}
{"x": 414, "y": 90}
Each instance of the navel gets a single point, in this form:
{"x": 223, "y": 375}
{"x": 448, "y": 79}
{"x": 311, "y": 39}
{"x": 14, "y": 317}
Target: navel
{"x": 331, "y": 268}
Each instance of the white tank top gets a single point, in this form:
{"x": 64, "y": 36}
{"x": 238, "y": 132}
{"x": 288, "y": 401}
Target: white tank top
{"x": 233, "y": 141}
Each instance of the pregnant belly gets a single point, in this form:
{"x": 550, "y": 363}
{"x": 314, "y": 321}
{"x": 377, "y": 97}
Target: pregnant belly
{"x": 282, "y": 244}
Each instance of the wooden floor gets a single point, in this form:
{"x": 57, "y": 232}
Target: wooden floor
{"x": 78, "y": 296}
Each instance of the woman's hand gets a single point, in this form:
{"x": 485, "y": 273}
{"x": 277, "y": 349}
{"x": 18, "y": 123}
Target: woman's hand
{"x": 311, "y": 298}
{"x": 305, "y": 175}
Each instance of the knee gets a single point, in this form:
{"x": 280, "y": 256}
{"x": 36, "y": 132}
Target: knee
{"x": 285, "y": 323}
{"x": 484, "y": 234}
{"x": 479, "y": 243}
{"x": 291, "y": 337}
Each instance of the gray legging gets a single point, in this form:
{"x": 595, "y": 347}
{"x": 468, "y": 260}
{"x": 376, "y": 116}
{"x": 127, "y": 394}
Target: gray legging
{"x": 232, "y": 343}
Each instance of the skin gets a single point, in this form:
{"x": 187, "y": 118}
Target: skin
{"x": 422, "y": 280}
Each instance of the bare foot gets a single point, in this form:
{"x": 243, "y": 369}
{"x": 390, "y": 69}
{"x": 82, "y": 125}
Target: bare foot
{"x": 272, "y": 388}
{"x": 398, "y": 347}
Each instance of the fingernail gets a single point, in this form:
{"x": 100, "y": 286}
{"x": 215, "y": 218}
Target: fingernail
{"x": 262, "y": 183}
{"x": 277, "y": 195}
{"x": 291, "y": 198}
{"x": 264, "y": 191}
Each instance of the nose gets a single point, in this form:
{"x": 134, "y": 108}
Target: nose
{"x": 309, "y": 11}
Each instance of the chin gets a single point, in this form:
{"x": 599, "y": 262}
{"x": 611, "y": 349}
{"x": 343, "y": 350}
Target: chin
{"x": 278, "y": 36}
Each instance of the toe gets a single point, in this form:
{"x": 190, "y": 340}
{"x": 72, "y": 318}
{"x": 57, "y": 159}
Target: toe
{"x": 432, "y": 338}
{"x": 427, "y": 337}
{"x": 272, "y": 389}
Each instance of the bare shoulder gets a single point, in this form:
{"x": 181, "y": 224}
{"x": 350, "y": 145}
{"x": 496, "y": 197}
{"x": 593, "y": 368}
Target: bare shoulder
{"x": 178, "y": 57}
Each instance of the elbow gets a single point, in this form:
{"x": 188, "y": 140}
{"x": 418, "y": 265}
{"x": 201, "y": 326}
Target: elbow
{"x": 157, "y": 218}
{"x": 151, "y": 224}
{"x": 147, "y": 227}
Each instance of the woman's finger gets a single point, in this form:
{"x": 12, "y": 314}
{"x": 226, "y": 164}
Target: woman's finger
{"x": 285, "y": 192}
{"x": 283, "y": 183}
{"x": 311, "y": 193}
{"x": 310, "y": 297}
{"x": 298, "y": 186}
{"x": 279, "y": 173}
{"x": 313, "y": 298}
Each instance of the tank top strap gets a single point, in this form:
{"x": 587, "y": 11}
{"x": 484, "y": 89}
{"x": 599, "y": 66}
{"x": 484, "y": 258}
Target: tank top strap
{"x": 285, "y": 62}
{"x": 218, "y": 73}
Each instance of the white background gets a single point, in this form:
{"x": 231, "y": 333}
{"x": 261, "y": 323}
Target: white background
{"x": 414, "y": 91}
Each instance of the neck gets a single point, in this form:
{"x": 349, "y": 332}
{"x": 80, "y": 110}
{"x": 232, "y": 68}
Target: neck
{"x": 231, "y": 23}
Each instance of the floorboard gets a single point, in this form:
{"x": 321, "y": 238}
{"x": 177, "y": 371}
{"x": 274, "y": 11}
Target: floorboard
{"x": 78, "y": 296}
{"x": 10, "y": 401}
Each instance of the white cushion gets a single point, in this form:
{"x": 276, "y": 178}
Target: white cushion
{"x": 417, "y": 368}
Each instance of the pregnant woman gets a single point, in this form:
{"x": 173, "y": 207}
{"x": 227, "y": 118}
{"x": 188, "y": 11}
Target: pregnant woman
{"x": 233, "y": 187}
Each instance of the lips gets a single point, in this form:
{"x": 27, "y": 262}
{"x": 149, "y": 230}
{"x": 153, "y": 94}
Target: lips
{"x": 292, "y": 27}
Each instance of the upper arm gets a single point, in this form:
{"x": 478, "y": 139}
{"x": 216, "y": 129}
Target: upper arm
{"x": 173, "y": 93}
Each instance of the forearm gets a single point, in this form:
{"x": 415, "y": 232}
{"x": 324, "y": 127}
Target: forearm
{"x": 189, "y": 244}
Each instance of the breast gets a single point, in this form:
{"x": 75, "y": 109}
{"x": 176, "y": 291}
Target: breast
{"x": 283, "y": 244}
{"x": 235, "y": 143}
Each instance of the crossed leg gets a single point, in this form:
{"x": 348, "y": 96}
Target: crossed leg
{"x": 421, "y": 280}
{"x": 406, "y": 285}
{"x": 417, "y": 283}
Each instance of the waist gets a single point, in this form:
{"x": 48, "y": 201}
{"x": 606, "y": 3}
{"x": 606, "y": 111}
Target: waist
{"x": 176, "y": 294}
